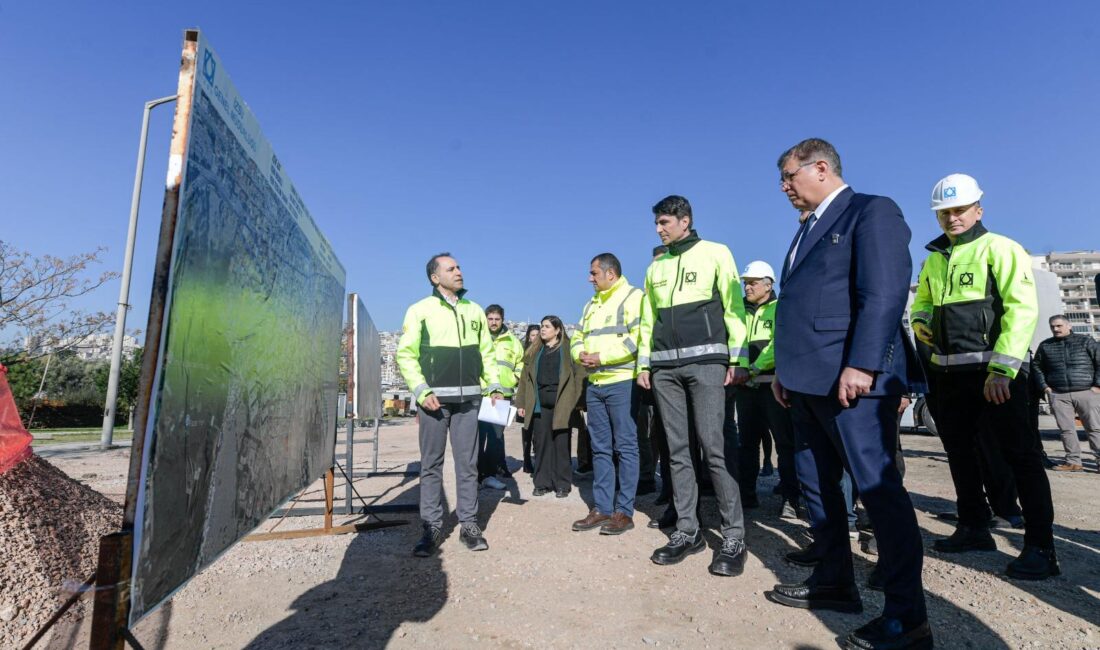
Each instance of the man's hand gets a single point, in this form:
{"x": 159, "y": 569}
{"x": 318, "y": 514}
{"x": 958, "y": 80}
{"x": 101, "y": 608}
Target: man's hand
{"x": 923, "y": 332}
{"x": 735, "y": 376}
{"x": 521, "y": 412}
{"x": 431, "y": 402}
{"x": 854, "y": 382}
{"x": 643, "y": 379}
{"x": 781, "y": 395}
{"x": 1095, "y": 389}
{"x": 903, "y": 404}
{"x": 495, "y": 396}
{"x": 590, "y": 359}
{"x": 996, "y": 388}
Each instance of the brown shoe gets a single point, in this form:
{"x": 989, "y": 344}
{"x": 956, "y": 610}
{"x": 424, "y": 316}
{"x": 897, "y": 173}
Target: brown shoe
{"x": 1068, "y": 467}
{"x": 593, "y": 520}
{"x": 617, "y": 525}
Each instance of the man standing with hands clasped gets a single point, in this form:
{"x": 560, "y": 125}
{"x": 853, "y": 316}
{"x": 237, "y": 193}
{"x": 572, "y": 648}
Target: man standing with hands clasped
{"x": 977, "y": 308}
{"x": 842, "y": 365}
{"x": 693, "y": 346}
{"x": 446, "y": 356}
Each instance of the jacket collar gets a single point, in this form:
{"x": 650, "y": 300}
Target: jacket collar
{"x": 943, "y": 243}
{"x": 825, "y": 221}
{"x": 602, "y": 296}
{"x": 685, "y": 244}
{"x": 460, "y": 293}
{"x": 751, "y": 308}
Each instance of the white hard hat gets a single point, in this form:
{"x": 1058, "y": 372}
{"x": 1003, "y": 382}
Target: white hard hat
{"x": 955, "y": 190}
{"x": 759, "y": 269}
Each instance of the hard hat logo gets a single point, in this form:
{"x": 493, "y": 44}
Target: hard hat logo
{"x": 949, "y": 193}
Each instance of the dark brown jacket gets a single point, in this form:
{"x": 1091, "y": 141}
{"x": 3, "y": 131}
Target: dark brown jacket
{"x": 570, "y": 386}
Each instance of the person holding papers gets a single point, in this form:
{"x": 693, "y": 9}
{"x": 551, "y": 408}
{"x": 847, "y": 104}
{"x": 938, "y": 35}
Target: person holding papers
{"x": 549, "y": 388}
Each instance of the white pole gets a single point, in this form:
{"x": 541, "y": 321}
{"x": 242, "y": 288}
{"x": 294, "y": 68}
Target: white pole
{"x": 124, "y": 289}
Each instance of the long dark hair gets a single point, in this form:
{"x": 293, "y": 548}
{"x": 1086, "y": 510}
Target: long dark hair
{"x": 527, "y": 337}
{"x": 558, "y": 325}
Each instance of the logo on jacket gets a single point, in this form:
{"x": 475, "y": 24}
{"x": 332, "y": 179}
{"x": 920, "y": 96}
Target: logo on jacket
{"x": 966, "y": 279}
{"x": 689, "y": 277}
{"x": 767, "y": 324}
{"x": 475, "y": 325}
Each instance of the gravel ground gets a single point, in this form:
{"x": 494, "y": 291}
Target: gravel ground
{"x": 542, "y": 585}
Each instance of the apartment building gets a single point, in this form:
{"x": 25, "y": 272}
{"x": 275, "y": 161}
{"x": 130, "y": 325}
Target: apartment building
{"x": 1077, "y": 272}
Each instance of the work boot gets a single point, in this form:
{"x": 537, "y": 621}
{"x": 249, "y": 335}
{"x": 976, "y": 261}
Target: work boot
{"x": 619, "y": 523}
{"x": 680, "y": 545}
{"x": 666, "y": 520}
{"x": 730, "y": 559}
{"x": 1068, "y": 467}
{"x": 966, "y": 538}
{"x": 429, "y": 541}
{"x": 1034, "y": 563}
{"x": 889, "y": 634}
{"x": 768, "y": 469}
{"x": 593, "y": 520}
{"x": 472, "y": 537}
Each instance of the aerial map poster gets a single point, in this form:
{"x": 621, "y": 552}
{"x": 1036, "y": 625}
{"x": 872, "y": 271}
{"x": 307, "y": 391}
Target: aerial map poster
{"x": 364, "y": 363}
{"x": 243, "y": 407}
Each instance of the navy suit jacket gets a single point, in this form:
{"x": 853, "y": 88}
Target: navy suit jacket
{"x": 843, "y": 298}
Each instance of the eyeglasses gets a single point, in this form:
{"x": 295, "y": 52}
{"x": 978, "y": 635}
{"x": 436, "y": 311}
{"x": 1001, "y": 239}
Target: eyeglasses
{"x": 785, "y": 178}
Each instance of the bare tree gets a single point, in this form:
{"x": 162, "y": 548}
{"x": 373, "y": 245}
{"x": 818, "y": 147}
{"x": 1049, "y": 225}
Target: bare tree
{"x": 35, "y": 296}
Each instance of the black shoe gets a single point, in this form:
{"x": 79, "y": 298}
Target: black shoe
{"x": 767, "y": 470}
{"x": 750, "y": 501}
{"x": 889, "y": 634}
{"x": 804, "y": 596}
{"x": 538, "y": 492}
{"x": 966, "y": 538}
{"x": 1034, "y": 563}
{"x": 789, "y": 509}
{"x": 807, "y": 557}
{"x": 680, "y": 545}
{"x": 472, "y": 537}
{"x": 666, "y": 520}
{"x": 876, "y": 581}
{"x": 730, "y": 559}
{"x": 663, "y": 499}
{"x": 429, "y": 541}
{"x": 561, "y": 494}
{"x": 645, "y": 487}
{"x": 869, "y": 545}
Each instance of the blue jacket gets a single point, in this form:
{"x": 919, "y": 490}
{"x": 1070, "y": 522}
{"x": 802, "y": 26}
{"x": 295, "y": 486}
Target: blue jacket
{"x": 843, "y": 298}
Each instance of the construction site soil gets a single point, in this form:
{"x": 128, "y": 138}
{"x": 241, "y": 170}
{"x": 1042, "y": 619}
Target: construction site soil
{"x": 539, "y": 585}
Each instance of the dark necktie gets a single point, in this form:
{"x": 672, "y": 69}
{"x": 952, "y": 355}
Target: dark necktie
{"x": 806, "y": 225}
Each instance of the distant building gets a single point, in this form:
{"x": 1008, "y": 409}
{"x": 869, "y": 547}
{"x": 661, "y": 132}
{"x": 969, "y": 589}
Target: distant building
{"x": 95, "y": 347}
{"x": 1076, "y": 273}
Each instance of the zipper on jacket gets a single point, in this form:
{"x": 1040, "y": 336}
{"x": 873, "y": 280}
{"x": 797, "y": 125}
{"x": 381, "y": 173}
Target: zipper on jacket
{"x": 460, "y": 329}
{"x": 706, "y": 319}
{"x": 672, "y": 308}
{"x": 943, "y": 310}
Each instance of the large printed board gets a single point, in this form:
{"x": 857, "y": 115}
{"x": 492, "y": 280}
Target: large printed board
{"x": 364, "y": 363}
{"x": 242, "y": 412}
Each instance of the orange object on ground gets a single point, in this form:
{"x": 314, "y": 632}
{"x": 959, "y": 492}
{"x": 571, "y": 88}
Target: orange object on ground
{"x": 15, "y": 442}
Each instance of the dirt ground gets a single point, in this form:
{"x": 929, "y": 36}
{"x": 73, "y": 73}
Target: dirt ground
{"x": 542, "y": 585}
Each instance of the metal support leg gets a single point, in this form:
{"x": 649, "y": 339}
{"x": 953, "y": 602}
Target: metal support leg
{"x": 349, "y": 463}
{"x": 374, "y": 464}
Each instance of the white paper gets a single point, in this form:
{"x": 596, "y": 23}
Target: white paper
{"x": 503, "y": 413}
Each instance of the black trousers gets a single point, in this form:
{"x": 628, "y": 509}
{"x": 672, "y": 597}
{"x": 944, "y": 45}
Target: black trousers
{"x": 553, "y": 470}
{"x": 757, "y": 414}
{"x": 961, "y": 412}
{"x": 526, "y": 436}
{"x": 646, "y": 419}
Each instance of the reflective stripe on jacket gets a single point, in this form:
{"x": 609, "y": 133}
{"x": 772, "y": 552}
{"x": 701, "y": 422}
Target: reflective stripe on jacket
{"x": 447, "y": 351}
{"x": 978, "y": 298}
{"x": 693, "y": 311}
{"x": 509, "y": 359}
{"x": 609, "y": 327}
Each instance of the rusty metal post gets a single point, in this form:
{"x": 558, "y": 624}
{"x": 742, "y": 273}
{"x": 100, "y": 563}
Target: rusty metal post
{"x": 112, "y": 596}
{"x": 349, "y": 462}
{"x": 330, "y": 477}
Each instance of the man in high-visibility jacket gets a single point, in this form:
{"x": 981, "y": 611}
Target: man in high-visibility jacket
{"x": 977, "y": 308}
{"x": 446, "y": 356}
{"x": 693, "y": 344}
{"x": 605, "y": 343}
{"x": 491, "y": 460}
{"x": 757, "y": 411}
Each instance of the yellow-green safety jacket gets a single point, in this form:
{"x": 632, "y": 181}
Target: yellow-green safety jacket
{"x": 760, "y": 323}
{"x": 509, "y": 355}
{"x": 447, "y": 351}
{"x": 978, "y": 298}
{"x": 609, "y": 326}
{"x": 693, "y": 311}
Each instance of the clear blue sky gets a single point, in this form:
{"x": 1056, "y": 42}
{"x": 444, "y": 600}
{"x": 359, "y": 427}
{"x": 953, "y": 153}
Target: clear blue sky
{"x": 526, "y": 137}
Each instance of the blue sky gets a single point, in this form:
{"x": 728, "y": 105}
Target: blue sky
{"x": 526, "y": 137}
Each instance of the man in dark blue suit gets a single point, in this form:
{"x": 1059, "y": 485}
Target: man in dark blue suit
{"x": 842, "y": 365}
